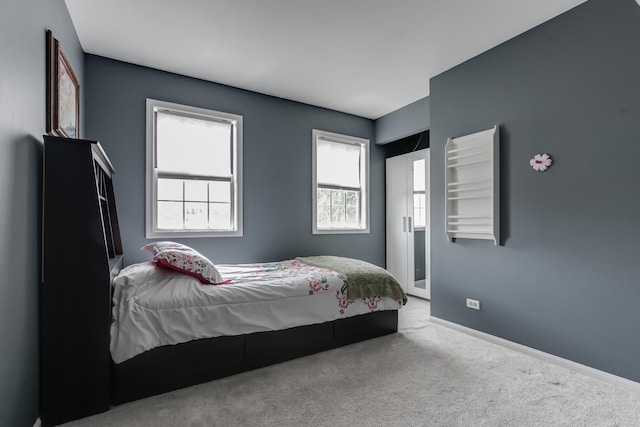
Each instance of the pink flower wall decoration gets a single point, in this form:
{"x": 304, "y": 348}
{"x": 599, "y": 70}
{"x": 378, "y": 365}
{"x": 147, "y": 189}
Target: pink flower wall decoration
{"x": 541, "y": 162}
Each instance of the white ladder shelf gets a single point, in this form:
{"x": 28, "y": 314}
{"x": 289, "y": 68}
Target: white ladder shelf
{"x": 473, "y": 186}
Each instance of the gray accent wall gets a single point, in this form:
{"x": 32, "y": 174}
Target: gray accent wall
{"x": 22, "y": 123}
{"x": 404, "y": 122}
{"x": 277, "y": 163}
{"x": 566, "y": 280}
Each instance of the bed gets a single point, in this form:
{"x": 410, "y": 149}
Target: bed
{"x": 168, "y": 318}
{"x": 84, "y": 287}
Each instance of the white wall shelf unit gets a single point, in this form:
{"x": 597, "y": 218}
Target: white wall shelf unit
{"x": 473, "y": 186}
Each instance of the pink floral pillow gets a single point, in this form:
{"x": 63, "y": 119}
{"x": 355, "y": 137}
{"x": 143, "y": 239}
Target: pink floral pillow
{"x": 184, "y": 259}
{"x": 157, "y": 247}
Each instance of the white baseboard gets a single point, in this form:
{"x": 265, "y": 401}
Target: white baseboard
{"x": 38, "y": 423}
{"x": 565, "y": 363}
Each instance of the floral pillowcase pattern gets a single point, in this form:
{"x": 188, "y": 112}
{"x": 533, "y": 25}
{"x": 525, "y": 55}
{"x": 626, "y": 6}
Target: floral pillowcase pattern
{"x": 184, "y": 259}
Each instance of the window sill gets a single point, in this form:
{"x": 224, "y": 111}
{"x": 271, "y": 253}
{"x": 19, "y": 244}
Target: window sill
{"x": 191, "y": 234}
{"x": 341, "y": 231}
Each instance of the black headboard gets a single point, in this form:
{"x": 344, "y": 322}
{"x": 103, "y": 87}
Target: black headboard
{"x": 81, "y": 252}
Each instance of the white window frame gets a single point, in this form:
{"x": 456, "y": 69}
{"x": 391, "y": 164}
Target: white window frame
{"x": 364, "y": 182}
{"x": 152, "y": 231}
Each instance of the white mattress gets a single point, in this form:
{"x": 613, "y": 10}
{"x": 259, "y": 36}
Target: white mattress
{"x": 155, "y": 306}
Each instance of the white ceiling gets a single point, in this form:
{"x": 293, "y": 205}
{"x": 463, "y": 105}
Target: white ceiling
{"x": 364, "y": 57}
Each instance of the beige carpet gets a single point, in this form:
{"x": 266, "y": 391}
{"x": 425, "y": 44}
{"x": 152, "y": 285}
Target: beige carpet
{"x": 426, "y": 375}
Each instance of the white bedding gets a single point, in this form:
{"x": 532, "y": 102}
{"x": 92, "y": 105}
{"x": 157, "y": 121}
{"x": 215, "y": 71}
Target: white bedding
{"x": 155, "y": 306}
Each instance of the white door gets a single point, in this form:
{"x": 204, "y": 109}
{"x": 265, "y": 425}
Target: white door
{"x": 397, "y": 247}
{"x": 407, "y": 202}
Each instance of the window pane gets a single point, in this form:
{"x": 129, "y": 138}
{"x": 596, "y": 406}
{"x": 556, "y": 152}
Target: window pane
{"x": 351, "y": 198}
{"x": 337, "y": 198}
{"x": 195, "y": 216}
{"x": 170, "y": 215}
{"x": 352, "y": 216}
{"x": 220, "y": 216}
{"x": 195, "y": 191}
{"x": 219, "y": 191}
{"x": 338, "y": 163}
{"x": 170, "y": 189}
{"x": 324, "y": 197}
{"x": 192, "y": 145}
{"x": 324, "y": 216}
{"x": 338, "y": 209}
{"x": 337, "y": 216}
{"x": 419, "y": 180}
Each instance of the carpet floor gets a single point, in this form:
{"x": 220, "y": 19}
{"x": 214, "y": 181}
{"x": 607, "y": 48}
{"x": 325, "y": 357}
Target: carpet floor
{"x": 425, "y": 375}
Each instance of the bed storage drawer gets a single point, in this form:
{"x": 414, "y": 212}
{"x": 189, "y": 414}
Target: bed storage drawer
{"x": 267, "y": 348}
{"x": 365, "y": 326}
{"x": 160, "y": 371}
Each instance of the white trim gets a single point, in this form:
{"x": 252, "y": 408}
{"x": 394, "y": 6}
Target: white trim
{"x": 38, "y": 423}
{"x": 365, "y": 193}
{"x": 152, "y": 105}
{"x": 612, "y": 379}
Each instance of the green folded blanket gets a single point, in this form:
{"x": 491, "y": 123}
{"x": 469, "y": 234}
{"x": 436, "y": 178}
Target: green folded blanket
{"x": 363, "y": 279}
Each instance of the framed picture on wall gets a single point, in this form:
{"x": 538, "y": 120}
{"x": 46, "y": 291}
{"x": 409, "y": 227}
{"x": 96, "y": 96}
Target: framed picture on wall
{"x": 63, "y": 92}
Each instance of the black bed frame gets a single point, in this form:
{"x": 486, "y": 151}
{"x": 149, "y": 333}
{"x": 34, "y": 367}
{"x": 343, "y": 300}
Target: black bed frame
{"x": 77, "y": 376}
{"x": 171, "y": 367}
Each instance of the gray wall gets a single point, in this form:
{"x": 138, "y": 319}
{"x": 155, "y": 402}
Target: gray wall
{"x": 403, "y": 122}
{"x": 566, "y": 280}
{"x": 277, "y": 163}
{"x": 22, "y": 123}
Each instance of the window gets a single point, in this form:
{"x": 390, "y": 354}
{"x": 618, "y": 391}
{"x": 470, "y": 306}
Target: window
{"x": 194, "y": 171}
{"x": 340, "y": 183}
{"x": 419, "y": 194}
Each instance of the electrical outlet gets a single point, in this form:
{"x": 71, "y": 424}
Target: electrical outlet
{"x": 474, "y": 304}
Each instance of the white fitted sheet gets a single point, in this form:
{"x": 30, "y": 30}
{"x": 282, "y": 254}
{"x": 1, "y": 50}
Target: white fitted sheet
{"x": 153, "y": 306}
